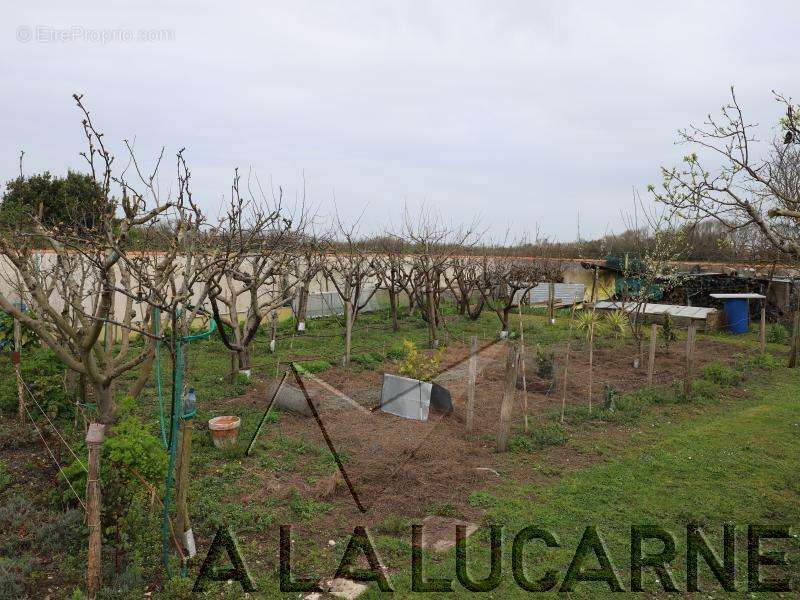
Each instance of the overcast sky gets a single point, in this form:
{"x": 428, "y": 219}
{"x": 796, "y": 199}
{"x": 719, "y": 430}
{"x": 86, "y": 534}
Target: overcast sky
{"x": 519, "y": 112}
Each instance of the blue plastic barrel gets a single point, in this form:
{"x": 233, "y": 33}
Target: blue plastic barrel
{"x": 737, "y": 315}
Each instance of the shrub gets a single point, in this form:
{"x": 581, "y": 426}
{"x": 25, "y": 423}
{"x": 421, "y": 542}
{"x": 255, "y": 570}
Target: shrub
{"x": 29, "y": 338}
{"x": 544, "y": 363}
{"x": 417, "y": 365}
{"x": 721, "y": 374}
{"x": 14, "y": 572}
{"x": 128, "y": 446}
{"x": 44, "y": 375}
{"x": 777, "y": 334}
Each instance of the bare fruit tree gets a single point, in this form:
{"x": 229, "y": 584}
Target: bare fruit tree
{"x": 433, "y": 244}
{"x": 350, "y": 267}
{"x": 92, "y": 269}
{"x": 738, "y": 180}
{"x": 462, "y": 278}
{"x": 507, "y": 280}
{"x": 258, "y": 241}
{"x": 305, "y": 267}
{"x": 394, "y": 271}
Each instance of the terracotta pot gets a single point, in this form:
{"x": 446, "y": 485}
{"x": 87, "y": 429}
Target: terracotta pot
{"x": 224, "y": 430}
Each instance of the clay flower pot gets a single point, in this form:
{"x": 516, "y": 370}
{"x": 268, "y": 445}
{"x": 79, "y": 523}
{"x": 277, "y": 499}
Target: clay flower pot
{"x": 224, "y": 430}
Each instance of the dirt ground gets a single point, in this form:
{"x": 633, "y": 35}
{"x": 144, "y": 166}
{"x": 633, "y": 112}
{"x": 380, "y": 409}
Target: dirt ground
{"x": 406, "y": 467}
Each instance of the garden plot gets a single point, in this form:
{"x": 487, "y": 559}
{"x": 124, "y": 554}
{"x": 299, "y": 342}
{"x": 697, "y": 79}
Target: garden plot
{"x": 406, "y": 467}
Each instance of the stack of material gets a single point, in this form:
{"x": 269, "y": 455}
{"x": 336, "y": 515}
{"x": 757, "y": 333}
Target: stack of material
{"x": 654, "y": 313}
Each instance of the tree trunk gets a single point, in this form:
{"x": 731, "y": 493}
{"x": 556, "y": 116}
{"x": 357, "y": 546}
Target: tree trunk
{"x": 504, "y": 322}
{"x": 94, "y": 555}
{"x": 348, "y": 331}
{"x": 302, "y": 307}
{"x": 104, "y": 393}
{"x": 393, "y": 308}
{"x": 433, "y": 340}
{"x": 243, "y": 357}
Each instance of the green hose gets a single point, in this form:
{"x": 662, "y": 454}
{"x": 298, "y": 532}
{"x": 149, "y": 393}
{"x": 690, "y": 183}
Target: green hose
{"x": 176, "y": 416}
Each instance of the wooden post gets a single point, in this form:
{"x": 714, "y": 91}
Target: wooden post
{"x": 593, "y": 297}
{"x": 522, "y": 365}
{"x": 509, "y": 389}
{"x": 687, "y": 382}
{"x": 591, "y": 361}
{"x": 183, "y": 524}
{"x": 591, "y": 343}
{"x": 471, "y": 376}
{"x": 551, "y": 302}
{"x": 651, "y": 360}
{"x": 15, "y": 360}
{"x": 94, "y": 443}
{"x": 762, "y": 332}
{"x": 566, "y": 359}
{"x": 795, "y": 339}
{"x": 564, "y": 387}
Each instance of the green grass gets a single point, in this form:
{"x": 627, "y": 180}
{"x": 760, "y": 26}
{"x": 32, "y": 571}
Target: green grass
{"x": 737, "y": 463}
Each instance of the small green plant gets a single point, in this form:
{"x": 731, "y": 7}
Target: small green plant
{"x": 617, "y": 323}
{"x": 395, "y": 352}
{"x": 367, "y": 360}
{"x": 610, "y": 396}
{"x": 417, "y": 365}
{"x": 129, "y": 447}
{"x": 667, "y": 331}
{"x": 721, "y": 374}
{"x": 540, "y": 436}
{"x": 703, "y": 392}
{"x": 584, "y": 321}
{"x": 544, "y": 363}
{"x": 766, "y": 362}
{"x": 777, "y": 334}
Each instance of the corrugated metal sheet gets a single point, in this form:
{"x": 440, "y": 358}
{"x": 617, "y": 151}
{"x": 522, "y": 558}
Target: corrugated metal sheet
{"x": 566, "y": 293}
{"x": 325, "y": 304}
